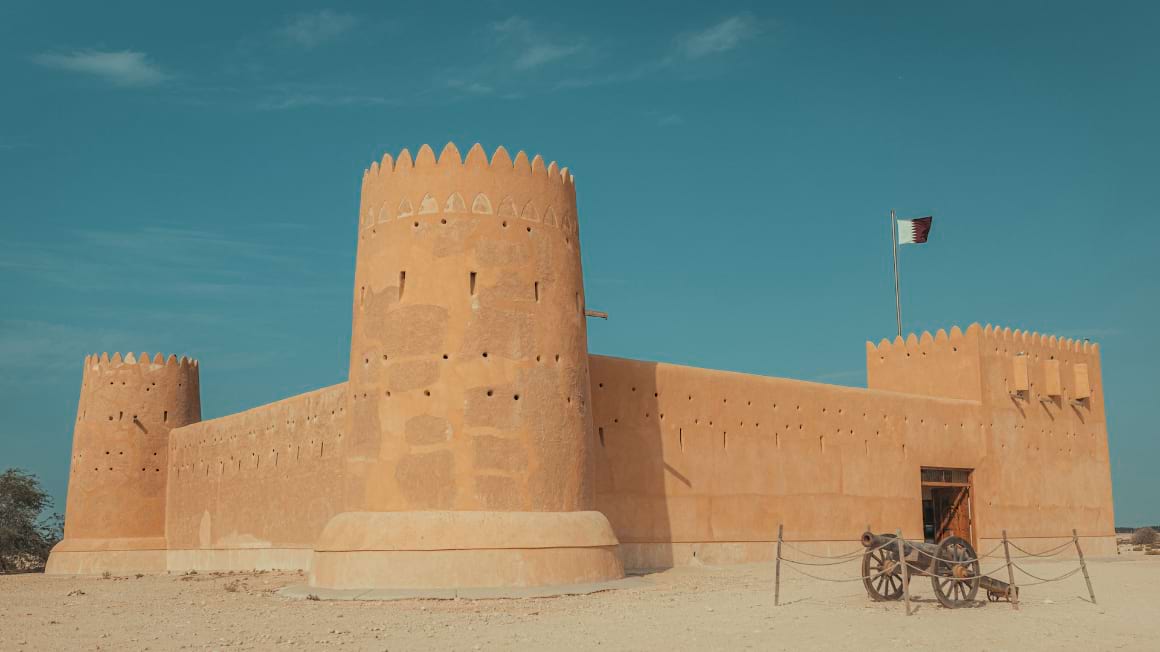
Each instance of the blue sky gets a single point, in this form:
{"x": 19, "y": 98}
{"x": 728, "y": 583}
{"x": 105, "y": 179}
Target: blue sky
{"x": 184, "y": 178}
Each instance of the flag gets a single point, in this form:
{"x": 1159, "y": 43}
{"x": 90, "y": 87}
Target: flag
{"x": 914, "y": 231}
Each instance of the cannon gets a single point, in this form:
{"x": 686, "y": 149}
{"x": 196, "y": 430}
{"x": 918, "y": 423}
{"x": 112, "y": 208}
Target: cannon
{"x": 951, "y": 564}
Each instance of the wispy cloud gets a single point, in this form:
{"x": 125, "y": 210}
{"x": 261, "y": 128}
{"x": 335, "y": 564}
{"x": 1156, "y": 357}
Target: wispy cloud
{"x": 473, "y": 87}
{"x": 533, "y": 46}
{"x": 163, "y": 259}
{"x": 125, "y": 68}
{"x": 313, "y": 29}
{"x": 304, "y": 100}
{"x": 721, "y": 37}
{"x": 540, "y": 54}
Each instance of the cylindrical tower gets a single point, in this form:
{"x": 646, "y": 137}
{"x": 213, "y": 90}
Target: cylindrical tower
{"x": 469, "y": 363}
{"x": 115, "y": 511}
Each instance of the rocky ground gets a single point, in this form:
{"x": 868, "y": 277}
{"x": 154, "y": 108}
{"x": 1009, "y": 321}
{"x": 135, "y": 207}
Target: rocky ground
{"x": 699, "y": 608}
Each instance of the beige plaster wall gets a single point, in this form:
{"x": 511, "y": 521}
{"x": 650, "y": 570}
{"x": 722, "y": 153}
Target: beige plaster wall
{"x": 269, "y": 477}
{"x": 117, "y": 475}
{"x": 469, "y": 361}
{"x": 692, "y": 459}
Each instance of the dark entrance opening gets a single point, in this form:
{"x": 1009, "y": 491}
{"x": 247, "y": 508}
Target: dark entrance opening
{"x": 946, "y": 504}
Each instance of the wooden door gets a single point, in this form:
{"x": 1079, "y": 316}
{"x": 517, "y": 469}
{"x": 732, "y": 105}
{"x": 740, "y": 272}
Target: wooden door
{"x": 953, "y": 510}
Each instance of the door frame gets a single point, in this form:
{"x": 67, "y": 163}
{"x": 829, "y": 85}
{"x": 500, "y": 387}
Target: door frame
{"x": 969, "y": 485}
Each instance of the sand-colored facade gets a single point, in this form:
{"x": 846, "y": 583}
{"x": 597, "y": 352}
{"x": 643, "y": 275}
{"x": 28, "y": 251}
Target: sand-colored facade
{"x": 478, "y": 443}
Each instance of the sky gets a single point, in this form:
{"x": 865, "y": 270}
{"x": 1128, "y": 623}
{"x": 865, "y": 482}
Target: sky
{"x": 184, "y": 178}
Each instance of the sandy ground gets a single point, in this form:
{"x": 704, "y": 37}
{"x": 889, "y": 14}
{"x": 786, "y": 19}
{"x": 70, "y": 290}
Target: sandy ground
{"x": 727, "y": 608}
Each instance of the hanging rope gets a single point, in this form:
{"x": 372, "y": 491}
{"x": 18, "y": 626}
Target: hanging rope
{"x": 853, "y": 554}
{"x": 1045, "y": 580}
{"x": 1049, "y": 553}
{"x": 830, "y": 579}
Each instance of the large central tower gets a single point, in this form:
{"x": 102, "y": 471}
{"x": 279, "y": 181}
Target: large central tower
{"x": 470, "y": 430}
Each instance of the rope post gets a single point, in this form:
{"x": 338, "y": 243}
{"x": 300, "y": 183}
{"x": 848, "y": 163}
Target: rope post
{"x": 1083, "y": 565}
{"x": 905, "y": 570}
{"x": 1012, "y": 590}
{"x": 777, "y": 571}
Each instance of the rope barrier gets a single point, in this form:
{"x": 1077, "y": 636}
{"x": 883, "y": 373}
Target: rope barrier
{"x": 830, "y": 579}
{"x": 1050, "y": 553}
{"x": 851, "y": 554}
{"x": 1045, "y": 580}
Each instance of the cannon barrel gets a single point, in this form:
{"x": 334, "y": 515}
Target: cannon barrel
{"x": 871, "y": 540}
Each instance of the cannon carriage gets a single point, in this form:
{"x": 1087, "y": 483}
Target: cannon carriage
{"x": 952, "y": 565}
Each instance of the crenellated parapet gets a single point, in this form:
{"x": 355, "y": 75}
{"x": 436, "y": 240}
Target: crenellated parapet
{"x": 426, "y": 191}
{"x": 985, "y": 361}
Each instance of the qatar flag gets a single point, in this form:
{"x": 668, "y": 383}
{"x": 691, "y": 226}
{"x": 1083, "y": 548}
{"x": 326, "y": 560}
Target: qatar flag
{"x": 914, "y": 231}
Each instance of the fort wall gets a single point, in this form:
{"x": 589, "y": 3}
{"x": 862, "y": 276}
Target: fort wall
{"x": 694, "y": 462}
{"x": 254, "y": 489}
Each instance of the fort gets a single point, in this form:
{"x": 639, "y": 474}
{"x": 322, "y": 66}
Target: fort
{"x": 478, "y": 443}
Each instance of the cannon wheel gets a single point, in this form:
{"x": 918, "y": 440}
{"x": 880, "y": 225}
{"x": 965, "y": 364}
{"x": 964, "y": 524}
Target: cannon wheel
{"x": 882, "y": 574}
{"x": 955, "y": 573}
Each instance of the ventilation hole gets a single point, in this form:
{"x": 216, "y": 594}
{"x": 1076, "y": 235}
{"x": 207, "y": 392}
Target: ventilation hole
{"x": 426, "y": 392}
{"x": 505, "y": 224}
{"x": 600, "y": 431}
{"x": 165, "y": 415}
{"x": 485, "y": 354}
{"x": 557, "y": 357}
{"x": 529, "y": 229}
{"x": 402, "y": 283}
{"x": 822, "y": 443}
{"x": 681, "y": 438}
{"x": 471, "y": 283}
{"x": 725, "y": 441}
{"x": 490, "y": 392}
{"x": 536, "y": 287}
{"x": 443, "y": 221}
{"x": 416, "y": 225}
{"x": 515, "y": 397}
{"x": 444, "y": 356}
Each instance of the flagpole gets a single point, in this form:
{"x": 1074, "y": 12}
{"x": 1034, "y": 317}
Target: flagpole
{"x": 897, "y": 293}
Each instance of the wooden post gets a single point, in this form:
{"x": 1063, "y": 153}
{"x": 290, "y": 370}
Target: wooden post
{"x": 905, "y": 570}
{"x": 777, "y": 571}
{"x": 1012, "y": 590}
{"x": 1083, "y": 565}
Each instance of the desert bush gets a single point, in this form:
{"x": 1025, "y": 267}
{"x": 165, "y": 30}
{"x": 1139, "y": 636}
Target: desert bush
{"x": 1145, "y": 536}
{"x": 24, "y": 533}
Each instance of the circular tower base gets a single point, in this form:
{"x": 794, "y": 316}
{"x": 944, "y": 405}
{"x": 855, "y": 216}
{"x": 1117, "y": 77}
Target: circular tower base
{"x": 447, "y": 550}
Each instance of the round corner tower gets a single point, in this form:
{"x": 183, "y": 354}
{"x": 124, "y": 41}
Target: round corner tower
{"x": 469, "y": 393}
{"x": 115, "y": 510}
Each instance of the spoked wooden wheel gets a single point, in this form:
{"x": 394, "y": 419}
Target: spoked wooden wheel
{"x": 955, "y": 573}
{"x": 882, "y": 573}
